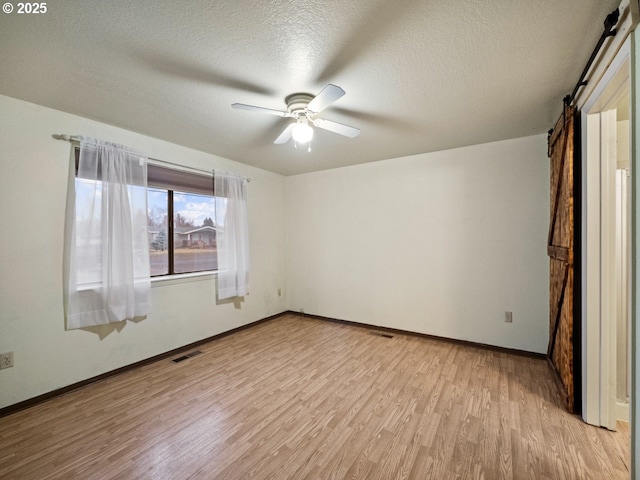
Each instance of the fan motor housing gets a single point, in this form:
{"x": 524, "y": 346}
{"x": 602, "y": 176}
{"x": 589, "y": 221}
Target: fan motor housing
{"x": 297, "y": 103}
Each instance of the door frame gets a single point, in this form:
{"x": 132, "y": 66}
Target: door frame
{"x": 597, "y": 243}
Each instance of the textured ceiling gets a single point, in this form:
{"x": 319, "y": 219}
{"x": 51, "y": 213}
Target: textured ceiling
{"x": 420, "y": 75}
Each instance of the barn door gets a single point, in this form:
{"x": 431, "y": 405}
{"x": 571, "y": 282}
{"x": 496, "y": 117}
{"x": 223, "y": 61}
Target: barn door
{"x": 560, "y": 248}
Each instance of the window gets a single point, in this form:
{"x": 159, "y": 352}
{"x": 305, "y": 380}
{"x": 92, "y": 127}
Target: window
{"x": 181, "y": 220}
{"x": 184, "y": 241}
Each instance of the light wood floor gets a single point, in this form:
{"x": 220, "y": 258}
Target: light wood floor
{"x": 299, "y": 398}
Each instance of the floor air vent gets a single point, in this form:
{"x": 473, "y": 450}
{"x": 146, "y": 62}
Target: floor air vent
{"x": 380, "y": 334}
{"x": 188, "y": 355}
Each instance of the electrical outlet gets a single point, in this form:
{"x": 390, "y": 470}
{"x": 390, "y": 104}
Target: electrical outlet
{"x": 6, "y": 360}
{"x": 508, "y": 317}
{"x": 279, "y": 292}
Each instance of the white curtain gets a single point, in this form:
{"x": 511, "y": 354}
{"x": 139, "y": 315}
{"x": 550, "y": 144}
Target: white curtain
{"x": 233, "y": 238}
{"x": 109, "y": 248}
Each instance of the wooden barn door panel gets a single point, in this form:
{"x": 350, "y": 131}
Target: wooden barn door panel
{"x": 560, "y": 249}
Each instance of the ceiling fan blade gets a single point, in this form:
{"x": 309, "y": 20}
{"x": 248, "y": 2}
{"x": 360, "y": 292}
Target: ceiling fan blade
{"x": 253, "y": 108}
{"x": 326, "y": 97}
{"x": 285, "y": 136}
{"x": 336, "y": 127}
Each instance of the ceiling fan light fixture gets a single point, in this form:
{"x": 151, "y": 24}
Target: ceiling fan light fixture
{"x": 302, "y": 132}
{"x": 303, "y": 108}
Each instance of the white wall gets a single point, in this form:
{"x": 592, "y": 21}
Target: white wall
{"x": 441, "y": 243}
{"x": 33, "y": 183}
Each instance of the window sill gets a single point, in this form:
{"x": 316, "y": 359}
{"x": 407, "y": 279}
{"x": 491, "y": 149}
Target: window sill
{"x": 164, "y": 280}
{"x": 182, "y": 278}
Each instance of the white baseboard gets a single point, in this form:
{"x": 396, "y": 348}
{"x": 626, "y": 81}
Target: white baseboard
{"x": 622, "y": 411}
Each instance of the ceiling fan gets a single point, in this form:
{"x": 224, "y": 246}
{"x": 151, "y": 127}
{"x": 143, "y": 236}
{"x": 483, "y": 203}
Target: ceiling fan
{"x": 303, "y": 107}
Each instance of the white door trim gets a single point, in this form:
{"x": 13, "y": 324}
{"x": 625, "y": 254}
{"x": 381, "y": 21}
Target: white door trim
{"x": 598, "y": 244}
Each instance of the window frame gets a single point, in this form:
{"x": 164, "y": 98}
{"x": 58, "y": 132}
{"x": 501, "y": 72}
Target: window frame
{"x": 171, "y": 240}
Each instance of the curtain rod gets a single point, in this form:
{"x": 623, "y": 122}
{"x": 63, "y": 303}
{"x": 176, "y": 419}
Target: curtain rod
{"x": 75, "y": 138}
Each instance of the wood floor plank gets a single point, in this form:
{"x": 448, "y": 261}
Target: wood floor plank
{"x": 301, "y": 398}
